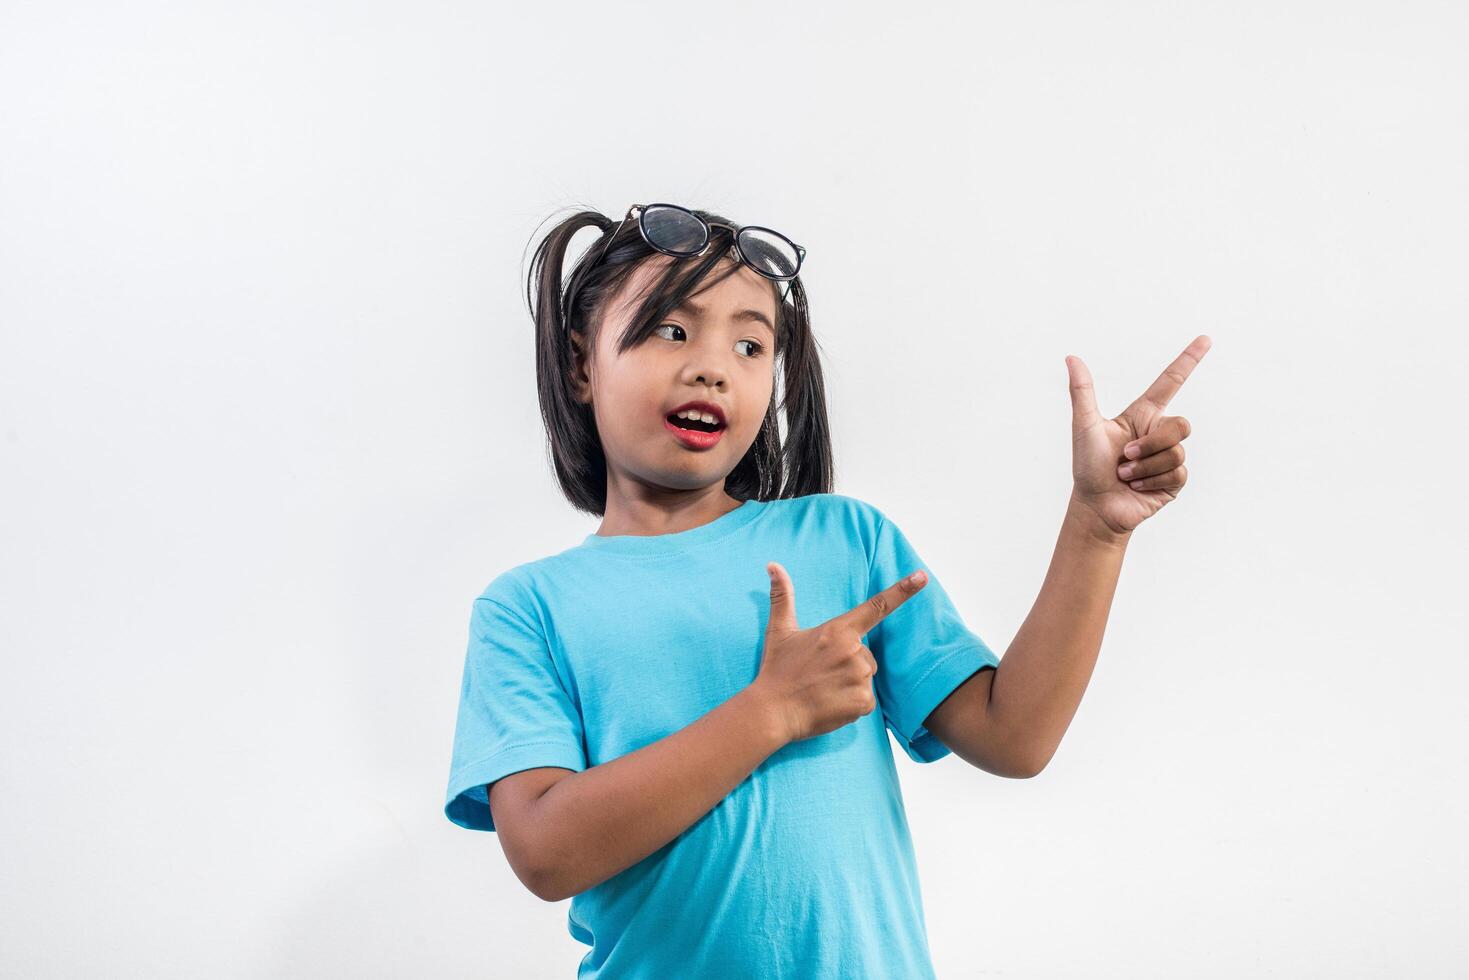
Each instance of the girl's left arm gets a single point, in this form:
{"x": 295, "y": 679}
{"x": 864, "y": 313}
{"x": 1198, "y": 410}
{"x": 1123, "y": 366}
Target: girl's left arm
{"x": 1011, "y": 719}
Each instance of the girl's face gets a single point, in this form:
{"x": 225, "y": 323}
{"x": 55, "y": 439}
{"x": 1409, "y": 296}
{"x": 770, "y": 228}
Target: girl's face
{"x": 720, "y": 350}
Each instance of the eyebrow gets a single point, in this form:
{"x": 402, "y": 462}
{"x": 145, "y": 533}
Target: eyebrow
{"x": 754, "y": 316}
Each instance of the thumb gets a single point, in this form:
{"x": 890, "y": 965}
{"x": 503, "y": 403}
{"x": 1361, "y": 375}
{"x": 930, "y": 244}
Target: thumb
{"x": 782, "y": 599}
{"x": 1084, "y": 412}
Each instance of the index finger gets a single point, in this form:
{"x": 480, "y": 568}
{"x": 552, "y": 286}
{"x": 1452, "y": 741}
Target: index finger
{"x": 1161, "y": 391}
{"x": 881, "y": 604}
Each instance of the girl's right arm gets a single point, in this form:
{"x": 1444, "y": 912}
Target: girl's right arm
{"x": 592, "y": 824}
{"x": 587, "y": 826}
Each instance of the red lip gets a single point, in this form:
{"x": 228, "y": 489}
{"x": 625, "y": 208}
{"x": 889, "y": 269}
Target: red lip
{"x": 692, "y": 438}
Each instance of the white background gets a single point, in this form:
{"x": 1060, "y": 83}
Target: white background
{"x": 268, "y": 425}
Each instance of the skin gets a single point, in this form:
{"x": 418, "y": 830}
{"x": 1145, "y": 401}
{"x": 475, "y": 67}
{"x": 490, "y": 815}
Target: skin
{"x": 655, "y": 484}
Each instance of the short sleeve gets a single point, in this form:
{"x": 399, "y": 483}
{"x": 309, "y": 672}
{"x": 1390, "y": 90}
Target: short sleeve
{"x": 514, "y": 712}
{"x": 923, "y": 648}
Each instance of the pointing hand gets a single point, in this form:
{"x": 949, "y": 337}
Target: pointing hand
{"x": 820, "y": 678}
{"x": 1125, "y": 469}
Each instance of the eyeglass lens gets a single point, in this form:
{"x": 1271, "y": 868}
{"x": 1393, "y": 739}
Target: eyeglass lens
{"x": 681, "y": 232}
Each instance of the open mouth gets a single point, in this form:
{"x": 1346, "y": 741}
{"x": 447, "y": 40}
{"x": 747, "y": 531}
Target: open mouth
{"x": 694, "y": 425}
{"x": 695, "y": 434}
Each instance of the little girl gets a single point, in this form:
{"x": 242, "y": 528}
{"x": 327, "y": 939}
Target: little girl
{"x": 682, "y": 721}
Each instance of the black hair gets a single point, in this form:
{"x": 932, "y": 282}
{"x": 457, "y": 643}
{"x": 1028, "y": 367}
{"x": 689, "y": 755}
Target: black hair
{"x": 795, "y": 464}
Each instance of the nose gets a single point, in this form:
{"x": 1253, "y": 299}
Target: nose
{"x": 705, "y": 367}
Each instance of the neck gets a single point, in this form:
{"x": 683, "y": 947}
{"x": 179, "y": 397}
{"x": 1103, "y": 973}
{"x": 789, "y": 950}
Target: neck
{"x": 644, "y": 510}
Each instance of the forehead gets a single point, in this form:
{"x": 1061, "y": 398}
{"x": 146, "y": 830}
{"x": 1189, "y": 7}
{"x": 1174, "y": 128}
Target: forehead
{"x": 745, "y": 289}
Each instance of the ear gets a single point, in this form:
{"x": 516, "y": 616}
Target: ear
{"x": 581, "y": 379}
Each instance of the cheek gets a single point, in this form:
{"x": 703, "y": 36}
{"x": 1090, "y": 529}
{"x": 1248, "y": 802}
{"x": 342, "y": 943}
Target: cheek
{"x": 767, "y": 386}
{"x": 631, "y": 398}
{"x": 758, "y": 405}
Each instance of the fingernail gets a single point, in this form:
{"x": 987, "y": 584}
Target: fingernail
{"x": 916, "y": 578}
{"x": 1132, "y": 451}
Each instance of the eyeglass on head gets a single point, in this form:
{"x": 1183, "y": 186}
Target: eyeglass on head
{"x": 677, "y": 231}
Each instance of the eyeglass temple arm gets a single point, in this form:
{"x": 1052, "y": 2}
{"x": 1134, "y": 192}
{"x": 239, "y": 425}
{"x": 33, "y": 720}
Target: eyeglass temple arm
{"x": 608, "y": 243}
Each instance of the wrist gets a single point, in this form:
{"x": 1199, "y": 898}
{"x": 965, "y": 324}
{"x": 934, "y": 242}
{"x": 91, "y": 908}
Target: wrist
{"x": 770, "y": 713}
{"x": 1085, "y": 519}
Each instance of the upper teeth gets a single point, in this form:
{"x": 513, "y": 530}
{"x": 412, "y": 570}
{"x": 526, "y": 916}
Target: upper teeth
{"x": 689, "y": 413}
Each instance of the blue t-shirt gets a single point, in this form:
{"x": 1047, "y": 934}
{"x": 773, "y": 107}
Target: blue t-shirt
{"x": 806, "y": 869}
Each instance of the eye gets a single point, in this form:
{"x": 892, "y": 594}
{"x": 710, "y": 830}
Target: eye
{"x": 666, "y": 326}
{"x": 759, "y": 347}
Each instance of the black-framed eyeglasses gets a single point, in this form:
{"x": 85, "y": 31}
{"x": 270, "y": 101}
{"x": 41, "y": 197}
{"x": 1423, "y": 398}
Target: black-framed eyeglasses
{"x": 677, "y": 231}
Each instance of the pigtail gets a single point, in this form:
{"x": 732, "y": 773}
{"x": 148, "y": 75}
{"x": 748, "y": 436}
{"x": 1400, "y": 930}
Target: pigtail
{"x": 807, "y": 443}
{"x": 797, "y": 462}
{"x": 572, "y": 448}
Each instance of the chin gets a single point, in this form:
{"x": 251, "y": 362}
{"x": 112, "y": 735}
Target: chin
{"x": 697, "y": 475}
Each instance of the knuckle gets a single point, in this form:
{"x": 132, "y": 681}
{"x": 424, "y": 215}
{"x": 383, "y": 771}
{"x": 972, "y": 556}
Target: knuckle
{"x": 879, "y": 602}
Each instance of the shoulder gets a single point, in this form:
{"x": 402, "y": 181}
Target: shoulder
{"x": 523, "y": 589}
{"x": 835, "y": 516}
{"x": 835, "y": 507}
